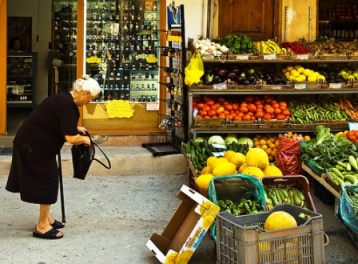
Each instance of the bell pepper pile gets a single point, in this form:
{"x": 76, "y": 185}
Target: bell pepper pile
{"x": 296, "y": 47}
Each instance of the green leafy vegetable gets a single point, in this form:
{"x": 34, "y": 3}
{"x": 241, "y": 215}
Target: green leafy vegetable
{"x": 323, "y": 133}
{"x": 326, "y": 149}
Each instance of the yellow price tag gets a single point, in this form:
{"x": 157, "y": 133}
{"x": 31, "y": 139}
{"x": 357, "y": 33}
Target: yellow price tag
{"x": 119, "y": 109}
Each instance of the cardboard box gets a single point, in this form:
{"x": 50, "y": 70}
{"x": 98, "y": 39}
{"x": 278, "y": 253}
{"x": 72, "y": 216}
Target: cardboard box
{"x": 186, "y": 228}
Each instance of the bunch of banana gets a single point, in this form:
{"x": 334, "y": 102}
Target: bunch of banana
{"x": 345, "y": 172}
{"x": 289, "y": 195}
{"x": 313, "y": 112}
{"x": 270, "y": 47}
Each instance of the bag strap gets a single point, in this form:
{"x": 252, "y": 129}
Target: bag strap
{"x": 104, "y": 154}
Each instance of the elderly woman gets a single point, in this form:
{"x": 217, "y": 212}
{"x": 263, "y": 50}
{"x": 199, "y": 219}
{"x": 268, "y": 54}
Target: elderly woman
{"x": 34, "y": 172}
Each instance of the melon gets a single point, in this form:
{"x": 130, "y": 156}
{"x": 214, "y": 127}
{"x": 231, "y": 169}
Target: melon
{"x": 203, "y": 181}
{"x": 272, "y": 170}
{"x": 242, "y": 167}
{"x": 253, "y": 171}
{"x": 238, "y": 159}
{"x": 224, "y": 168}
{"x": 279, "y": 220}
{"x": 257, "y": 157}
{"x": 206, "y": 170}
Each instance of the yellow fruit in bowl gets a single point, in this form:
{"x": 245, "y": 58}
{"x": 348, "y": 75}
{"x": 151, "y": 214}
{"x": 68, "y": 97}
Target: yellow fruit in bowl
{"x": 272, "y": 170}
{"x": 279, "y": 220}
{"x": 253, "y": 171}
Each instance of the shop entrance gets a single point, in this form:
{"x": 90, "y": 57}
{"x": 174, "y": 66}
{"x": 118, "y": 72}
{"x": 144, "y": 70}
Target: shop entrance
{"x": 20, "y": 95}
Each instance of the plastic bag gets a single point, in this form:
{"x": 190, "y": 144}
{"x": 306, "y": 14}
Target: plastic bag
{"x": 288, "y": 156}
{"x": 348, "y": 212}
{"x": 194, "y": 70}
{"x": 235, "y": 187}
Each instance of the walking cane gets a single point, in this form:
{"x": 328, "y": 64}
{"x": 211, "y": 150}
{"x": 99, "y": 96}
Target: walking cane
{"x": 61, "y": 189}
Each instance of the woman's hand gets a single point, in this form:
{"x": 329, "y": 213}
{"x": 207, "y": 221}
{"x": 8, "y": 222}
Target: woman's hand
{"x": 82, "y": 130}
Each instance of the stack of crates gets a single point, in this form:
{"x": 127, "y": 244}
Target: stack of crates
{"x": 243, "y": 239}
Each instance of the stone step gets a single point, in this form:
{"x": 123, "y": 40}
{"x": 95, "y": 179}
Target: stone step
{"x": 126, "y": 161}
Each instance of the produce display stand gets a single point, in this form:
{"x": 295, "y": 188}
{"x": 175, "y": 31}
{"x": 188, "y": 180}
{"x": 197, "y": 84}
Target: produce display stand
{"x": 322, "y": 179}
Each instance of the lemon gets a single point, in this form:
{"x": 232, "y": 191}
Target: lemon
{"x": 307, "y": 72}
{"x": 321, "y": 77}
{"x": 301, "y": 69}
{"x": 289, "y": 68}
{"x": 297, "y": 66}
{"x": 312, "y": 78}
{"x": 295, "y": 73}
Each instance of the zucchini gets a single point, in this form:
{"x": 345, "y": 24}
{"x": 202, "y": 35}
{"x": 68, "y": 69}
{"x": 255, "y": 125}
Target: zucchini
{"x": 353, "y": 162}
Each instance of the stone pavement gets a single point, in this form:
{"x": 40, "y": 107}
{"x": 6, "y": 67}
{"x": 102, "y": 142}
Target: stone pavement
{"x": 110, "y": 218}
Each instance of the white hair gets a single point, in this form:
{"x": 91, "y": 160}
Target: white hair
{"x": 86, "y": 84}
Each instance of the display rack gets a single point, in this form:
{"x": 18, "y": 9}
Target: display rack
{"x": 21, "y": 79}
{"x": 175, "y": 121}
{"x": 121, "y": 53}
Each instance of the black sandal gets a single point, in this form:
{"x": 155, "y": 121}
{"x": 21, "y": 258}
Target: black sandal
{"x": 51, "y": 234}
{"x": 57, "y": 225}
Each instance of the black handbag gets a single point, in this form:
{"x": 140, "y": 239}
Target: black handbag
{"x": 82, "y": 157}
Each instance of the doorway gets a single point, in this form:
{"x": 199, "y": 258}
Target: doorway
{"x": 19, "y": 30}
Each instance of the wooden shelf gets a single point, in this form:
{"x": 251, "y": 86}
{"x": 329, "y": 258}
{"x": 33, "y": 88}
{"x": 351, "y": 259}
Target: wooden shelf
{"x": 321, "y": 179}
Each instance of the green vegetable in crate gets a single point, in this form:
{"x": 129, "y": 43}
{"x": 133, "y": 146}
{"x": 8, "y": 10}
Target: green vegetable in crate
{"x": 280, "y": 195}
{"x": 345, "y": 172}
{"x": 326, "y": 149}
{"x": 243, "y": 207}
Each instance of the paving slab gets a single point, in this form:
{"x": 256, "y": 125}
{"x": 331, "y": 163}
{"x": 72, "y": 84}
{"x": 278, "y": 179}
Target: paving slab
{"x": 110, "y": 219}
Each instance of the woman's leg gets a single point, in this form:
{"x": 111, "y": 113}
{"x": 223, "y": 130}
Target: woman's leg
{"x": 44, "y": 223}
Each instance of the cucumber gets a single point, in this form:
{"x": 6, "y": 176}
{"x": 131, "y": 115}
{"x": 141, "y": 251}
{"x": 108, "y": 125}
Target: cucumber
{"x": 338, "y": 173}
{"x": 353, "y": 162}
{"x": 351, "y": 179}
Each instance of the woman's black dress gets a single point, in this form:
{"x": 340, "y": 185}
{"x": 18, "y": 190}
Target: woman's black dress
{"x": 34, "y": 170}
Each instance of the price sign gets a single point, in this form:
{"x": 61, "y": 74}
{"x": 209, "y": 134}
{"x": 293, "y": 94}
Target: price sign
{"x": 300, "y": 86}
{"x": 119, "y": 109}
{"x": 335, "y": 85}
{"x": 352, "y": 126}
{"x": 302, "y": 56}
{"x": 270, "y": 57}
{"x": 242, "y": 57}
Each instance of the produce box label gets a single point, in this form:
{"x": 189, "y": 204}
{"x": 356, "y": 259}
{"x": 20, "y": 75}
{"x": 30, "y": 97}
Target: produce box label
{"x": 302, "y": 56}
{"x": 300, "y": 86}
{"x": 335, "y": 85}
{"x": 270, "y": 57}
{"x": 242, "y": 57}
